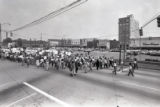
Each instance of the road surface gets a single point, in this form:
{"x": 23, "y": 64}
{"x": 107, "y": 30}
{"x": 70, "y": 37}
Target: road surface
{"x": 21, "y": 86}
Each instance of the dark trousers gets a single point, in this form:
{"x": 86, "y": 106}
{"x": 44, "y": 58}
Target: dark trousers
{"x": 97, "y": 67}
{"x": 130, "y": 72}
{"x": 76, "y": 69}
{"x": 115, "y": 71}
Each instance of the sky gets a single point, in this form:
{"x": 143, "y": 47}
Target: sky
{"x": 93, "y": 19}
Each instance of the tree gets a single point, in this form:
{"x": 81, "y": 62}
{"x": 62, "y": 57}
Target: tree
{"x": 7, "y": 40}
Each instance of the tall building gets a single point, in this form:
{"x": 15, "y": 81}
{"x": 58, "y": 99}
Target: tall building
{"x": 128, "y": 28}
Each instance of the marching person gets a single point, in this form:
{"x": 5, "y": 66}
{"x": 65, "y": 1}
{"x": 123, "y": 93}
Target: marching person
{"x": 131, "y": 71}
{"x": 37, "y": 63}
{"x": 52, "y": 61}
{"x": 105, "y": 63}
{"x": 37, "y": 58}
{"x": 22, "y": 60}
{"x": 72, "y": 67}
{"x": 47, "y": 64}
{"x": 115, "y": 68}
{"x": 97, "y": 63}
{"x": 85, "y": 66}
{"x": 76, "y": 65}
{"x": 135, "y": 65}
{"x": 28, "y": 61}
{"x": 42, "y": 62}
{"x": 90, "y": 64}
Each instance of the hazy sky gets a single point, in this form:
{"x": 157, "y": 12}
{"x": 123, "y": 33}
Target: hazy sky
{"x": 95, "y": 18}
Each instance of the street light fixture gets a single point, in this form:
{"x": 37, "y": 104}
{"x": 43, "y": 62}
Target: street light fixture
{"x": 158, "y": 21}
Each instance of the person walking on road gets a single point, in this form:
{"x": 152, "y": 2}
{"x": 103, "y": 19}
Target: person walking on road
{"x": 71, "y": 66}
{"x": 90, "y": 64}
{"x": 131, "y": 70}
{"x": 76, "y": 65}
{"x": 47, "y": 64}
{"x": 37, "y": 63}
{"x": 97, "y": 64}
{"x": 85, "y": 66}
{"x": 114, "y": 68}
{"x": 28, "y": 61}
{"x": 135, "y": 65}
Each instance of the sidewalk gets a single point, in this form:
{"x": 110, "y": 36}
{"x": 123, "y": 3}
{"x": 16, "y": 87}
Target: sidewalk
{"x": 147, "y": 65}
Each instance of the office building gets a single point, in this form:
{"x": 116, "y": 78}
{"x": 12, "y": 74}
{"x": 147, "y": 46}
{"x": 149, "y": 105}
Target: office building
{"x": 128, "y": 28}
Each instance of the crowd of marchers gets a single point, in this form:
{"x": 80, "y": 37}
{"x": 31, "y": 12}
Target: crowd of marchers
{"x": 63, "y": 59}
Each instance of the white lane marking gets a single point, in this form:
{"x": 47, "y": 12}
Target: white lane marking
{"x": 21, "y": 100}
{"x": 132, "y": 84}
{"x": 47, "y": 95}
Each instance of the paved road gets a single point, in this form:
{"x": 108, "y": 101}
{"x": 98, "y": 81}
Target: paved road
{"x": 33, "y": 87}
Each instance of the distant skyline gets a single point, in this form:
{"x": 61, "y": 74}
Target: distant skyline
{"x": 93, "y": 19}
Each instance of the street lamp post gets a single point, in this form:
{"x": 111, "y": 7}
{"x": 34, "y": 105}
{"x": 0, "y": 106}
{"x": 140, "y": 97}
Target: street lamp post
{"x": 120, "y": 46}
{"x": 140, "y": 47}
{"x": 0, "y": 35}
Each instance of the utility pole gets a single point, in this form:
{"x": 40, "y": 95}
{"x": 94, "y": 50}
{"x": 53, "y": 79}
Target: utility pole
{"x": 30, "y": 42}
{"x": 140, "y": 41}
{"x": 124, "y": 54}
{"x": 120, "y": 50}
{"x": 0, "y": 34}
{"x": 6, "y": 34}
{"x": 41, "y": 37}
{"x": 41, "y": 40}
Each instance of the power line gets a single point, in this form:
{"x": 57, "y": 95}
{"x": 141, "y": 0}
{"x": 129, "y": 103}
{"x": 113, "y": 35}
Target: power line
{"x": 12, "y": 33}
{"x": 152, "y": 19}
{"x": 52, "y": 14}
